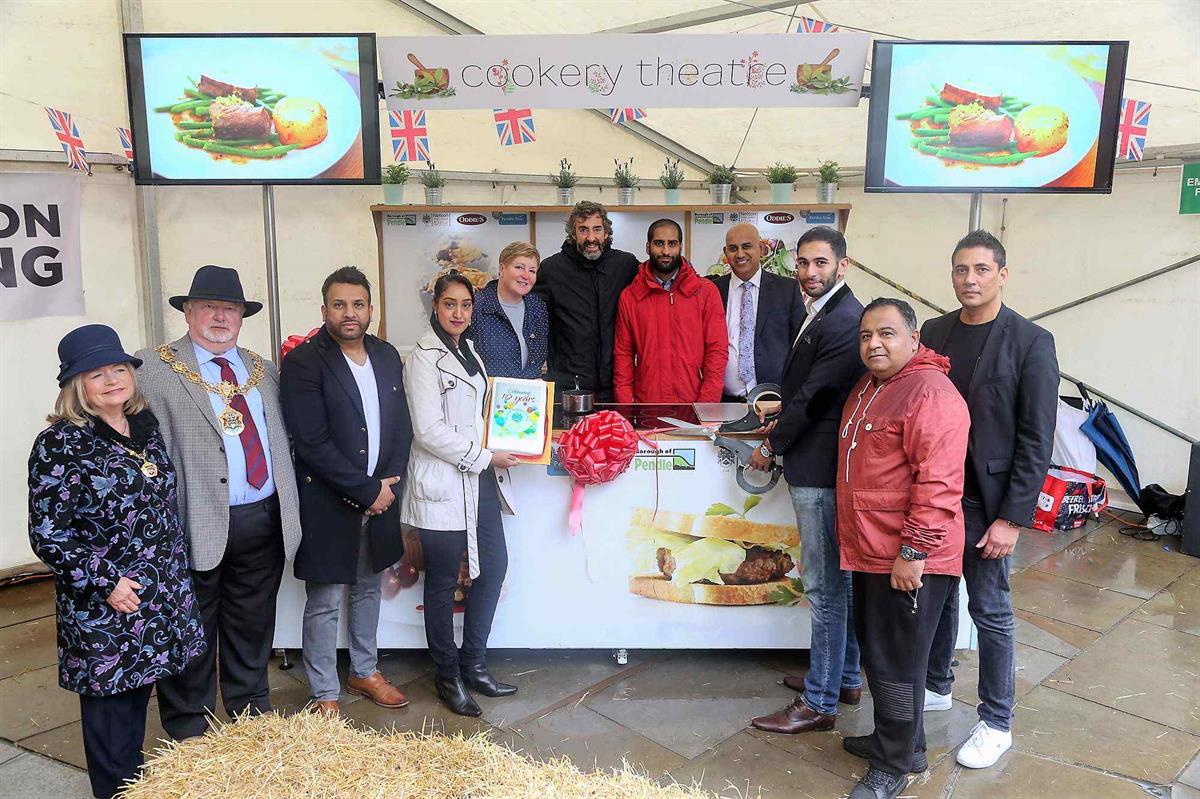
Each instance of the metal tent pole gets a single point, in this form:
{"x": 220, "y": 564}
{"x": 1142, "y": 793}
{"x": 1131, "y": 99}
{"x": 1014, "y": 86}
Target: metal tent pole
{"x": 976, "y": 220}
{"x": 272, "y": 270}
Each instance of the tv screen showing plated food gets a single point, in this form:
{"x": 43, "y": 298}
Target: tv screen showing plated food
{"x": 253, "y": 108}
{"x": 994, "y": 116}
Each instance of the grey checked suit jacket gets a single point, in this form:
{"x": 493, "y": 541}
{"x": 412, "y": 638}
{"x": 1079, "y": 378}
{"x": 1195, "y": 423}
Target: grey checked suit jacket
{"x": 195, "y": 444}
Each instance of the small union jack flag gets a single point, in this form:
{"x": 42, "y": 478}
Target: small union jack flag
{"x": 410, "y": 137}
{"x": 68, "y": 137}
{"x": 1131, "y": 131}
{"x": 807, "y": 25}
{"x": 620, "y": 115}
{"x": 514, "y": 126}
{"x": 126, "y": 142}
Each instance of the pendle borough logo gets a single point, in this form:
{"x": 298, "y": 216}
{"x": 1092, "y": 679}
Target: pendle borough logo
{"x": 471, "y": 219}
{"x": 779, "y": 218}
{"x": 665, "y": 460}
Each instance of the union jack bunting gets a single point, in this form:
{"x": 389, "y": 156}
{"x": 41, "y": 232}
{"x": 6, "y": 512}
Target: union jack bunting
{"x": 126, "y": 142}
{"x": 68, "y": 137}
{"x": 620, "y": 115}
{"x": 807, "y": 25}
{"x": 514, "y": 126}
{"x": 410, "y": 137}
{"x": 1131, "y": 130}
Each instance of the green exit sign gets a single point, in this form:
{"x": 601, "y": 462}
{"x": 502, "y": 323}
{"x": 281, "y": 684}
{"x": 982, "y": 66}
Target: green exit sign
{"x": 1189, "y": 189}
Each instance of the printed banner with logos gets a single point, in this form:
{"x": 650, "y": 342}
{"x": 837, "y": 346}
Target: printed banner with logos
{"x": 40, "y": 268}
{"x": 779, "y": 229}
{"x": 618, "y": 70}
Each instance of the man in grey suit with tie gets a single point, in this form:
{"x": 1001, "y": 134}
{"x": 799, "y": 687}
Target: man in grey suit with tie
{"x": 218, "y": 408}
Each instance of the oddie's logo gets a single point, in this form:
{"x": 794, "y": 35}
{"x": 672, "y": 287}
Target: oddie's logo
{"x": 471, "y": 219}
{"x": 665, "y": 460}
{"x": 779, "y": 218}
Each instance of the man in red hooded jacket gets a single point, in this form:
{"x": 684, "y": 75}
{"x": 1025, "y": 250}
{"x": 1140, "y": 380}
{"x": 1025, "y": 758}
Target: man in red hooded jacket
{"x": 670, "y": 342}
{"x": 901, "y": 450}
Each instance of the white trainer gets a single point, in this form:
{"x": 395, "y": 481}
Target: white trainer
{"x": 935, "y": 701}
{"x": 984, "y": 747}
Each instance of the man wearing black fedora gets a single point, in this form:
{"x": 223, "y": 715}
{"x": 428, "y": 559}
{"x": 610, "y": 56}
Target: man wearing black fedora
{"x": 218, "y": 406}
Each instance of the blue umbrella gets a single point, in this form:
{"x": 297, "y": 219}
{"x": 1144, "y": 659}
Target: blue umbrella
{"x": 1112, "y": 447}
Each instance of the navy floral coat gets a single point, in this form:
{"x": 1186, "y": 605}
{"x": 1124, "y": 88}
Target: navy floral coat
{"x": 94, "y": 518}
{"x": 496, "y": 341}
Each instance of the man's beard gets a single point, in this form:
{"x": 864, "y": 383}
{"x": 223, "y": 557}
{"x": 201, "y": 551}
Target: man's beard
{"x": 336, "y": 331}
{"x": 579, "y": 247}
{"x": 218, "y": 336}
{"x": 824, "y": 288}
{"x": 669, "y": 269}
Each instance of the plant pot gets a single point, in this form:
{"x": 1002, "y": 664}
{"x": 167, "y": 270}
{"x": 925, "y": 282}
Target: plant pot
{"x": 781, "y": 192}
{"x": 393, "y": 193}
{"x": 719, "y": 192}
{"x": 566, "y": 196}
{"x": 827, "y": 192}
{"x": 625, "y": 195}
{"x": 672, "y": 196}
{"x": 433, "y": 195}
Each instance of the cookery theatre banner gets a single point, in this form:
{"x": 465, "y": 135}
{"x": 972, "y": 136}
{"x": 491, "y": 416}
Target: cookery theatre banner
{"x": 40, "y": 272}
{"x": 619, "y": 70}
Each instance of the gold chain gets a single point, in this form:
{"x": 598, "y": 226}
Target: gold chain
{"x": 231, "y": 420}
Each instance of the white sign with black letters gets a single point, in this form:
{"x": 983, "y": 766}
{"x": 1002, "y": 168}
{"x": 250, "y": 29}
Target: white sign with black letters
{"x": 40, "y": 268}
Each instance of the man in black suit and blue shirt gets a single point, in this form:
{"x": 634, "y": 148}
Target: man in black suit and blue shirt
{"x": 343, "y": 399}
{"x": 819, "y": 372}
{"x": 1006, "y": 369}
{"x": 762, "y": 318}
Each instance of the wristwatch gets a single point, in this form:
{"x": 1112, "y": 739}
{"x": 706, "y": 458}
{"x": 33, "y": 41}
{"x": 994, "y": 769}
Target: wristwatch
{"x": 765, "y": 451}
{"x": 908, "y": 553}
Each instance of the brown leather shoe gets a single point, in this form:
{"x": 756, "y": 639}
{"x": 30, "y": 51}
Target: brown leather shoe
{"x": 796, "y": 717}
{"x": 326, "y": 707}
{"x": 377, "y": 689}
{"x": 847, "y": 696}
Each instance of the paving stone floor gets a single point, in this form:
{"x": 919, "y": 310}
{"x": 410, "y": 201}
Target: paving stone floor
{"x": 1108, "y": 686}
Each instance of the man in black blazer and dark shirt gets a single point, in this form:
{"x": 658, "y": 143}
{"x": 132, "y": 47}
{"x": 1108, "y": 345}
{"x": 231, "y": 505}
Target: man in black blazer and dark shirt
{"x": 775, "y": 314}
{"x": 343, "y": 400}
{"x": 819, "y": 371}
{"x": 1006, "y": 369}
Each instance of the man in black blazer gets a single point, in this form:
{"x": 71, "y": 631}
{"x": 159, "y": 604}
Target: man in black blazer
{"x": 343, "y": 400}
{"x": 1006, "y": 369}
{"x": 819, "y": 372}
{"x": 777, "y": 312}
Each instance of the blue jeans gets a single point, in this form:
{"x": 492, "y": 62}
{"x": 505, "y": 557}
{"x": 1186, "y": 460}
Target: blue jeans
{"x": 833, "y": 657}
{"x": 990, "y": 605}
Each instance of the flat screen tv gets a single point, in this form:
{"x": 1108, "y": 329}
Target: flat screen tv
{"x": 253, "y": 108}
{"x": 994, "y": 116}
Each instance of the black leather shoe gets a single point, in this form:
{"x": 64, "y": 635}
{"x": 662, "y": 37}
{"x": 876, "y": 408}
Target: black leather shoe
{"x": 478, "y": 678}
{"x": 452, "y": 691}
{"x": 879, "y": 785}
{"x": 860, "y": 746}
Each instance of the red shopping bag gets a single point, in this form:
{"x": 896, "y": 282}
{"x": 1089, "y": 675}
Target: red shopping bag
{"x": 1068, "y": 497}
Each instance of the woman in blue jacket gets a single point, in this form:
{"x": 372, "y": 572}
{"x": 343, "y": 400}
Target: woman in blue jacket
{"x": 511, "y": 327}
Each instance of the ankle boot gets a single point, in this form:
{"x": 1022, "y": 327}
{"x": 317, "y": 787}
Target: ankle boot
{"x": 452, "y": 691}
{"x": 481, "y": 680}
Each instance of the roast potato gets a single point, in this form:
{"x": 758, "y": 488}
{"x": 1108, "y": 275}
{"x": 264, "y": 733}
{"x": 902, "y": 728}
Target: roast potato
{"x": 1042, "y": 128}
{"x": 299, "y": 120}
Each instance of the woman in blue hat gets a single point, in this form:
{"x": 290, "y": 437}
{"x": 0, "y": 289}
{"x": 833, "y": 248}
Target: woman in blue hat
{"x": 102, "y": 516}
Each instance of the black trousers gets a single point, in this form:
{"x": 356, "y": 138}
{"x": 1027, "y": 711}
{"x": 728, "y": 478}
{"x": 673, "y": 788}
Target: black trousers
{"x": 114, "y": 729}
{"x": 895, "y": 639}
{"x": 443, "y": 553}
{"x": 237, "y": 607}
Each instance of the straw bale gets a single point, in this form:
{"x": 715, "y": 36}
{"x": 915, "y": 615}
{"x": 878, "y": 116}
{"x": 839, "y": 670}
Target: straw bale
{"x": 314, "y": 756}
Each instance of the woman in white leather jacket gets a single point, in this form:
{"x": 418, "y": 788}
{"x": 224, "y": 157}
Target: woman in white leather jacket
{"x": 453, "y": 495}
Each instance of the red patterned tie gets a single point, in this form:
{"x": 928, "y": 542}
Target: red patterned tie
{"x": 252, "y": 449}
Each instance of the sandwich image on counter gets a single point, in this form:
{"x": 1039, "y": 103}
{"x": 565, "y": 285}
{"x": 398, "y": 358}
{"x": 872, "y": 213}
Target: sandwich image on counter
{"x": 709, "y": 559}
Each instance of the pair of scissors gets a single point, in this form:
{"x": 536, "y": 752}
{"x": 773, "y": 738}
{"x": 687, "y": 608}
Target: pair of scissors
{"x": 741, "y": 450}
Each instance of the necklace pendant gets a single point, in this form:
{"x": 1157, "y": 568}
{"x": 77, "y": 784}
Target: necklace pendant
{"x": 149, "y": 469}
{"x": 231, "y": 421}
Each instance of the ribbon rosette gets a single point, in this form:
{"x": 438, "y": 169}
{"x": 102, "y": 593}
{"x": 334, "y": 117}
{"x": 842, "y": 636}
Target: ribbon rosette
{"x": 291, "y": 342}
{"x": 596, "y": 450}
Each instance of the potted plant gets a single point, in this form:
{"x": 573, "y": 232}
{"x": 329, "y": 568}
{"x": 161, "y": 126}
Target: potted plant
{"x": 671, "y": 178}
{"x": 782, "y": 178}
{"x": 394, "y": 178}
{"x": 565, "y": 180}
{"x": 720, "y": 184}
{"x": 829, "y": 175}
{"x": 433, "y": 182}
{"x": 626, "y": 181}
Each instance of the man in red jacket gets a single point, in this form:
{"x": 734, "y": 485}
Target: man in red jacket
{"x": 901, "y": 449}
{"x": 670, "y": 342}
